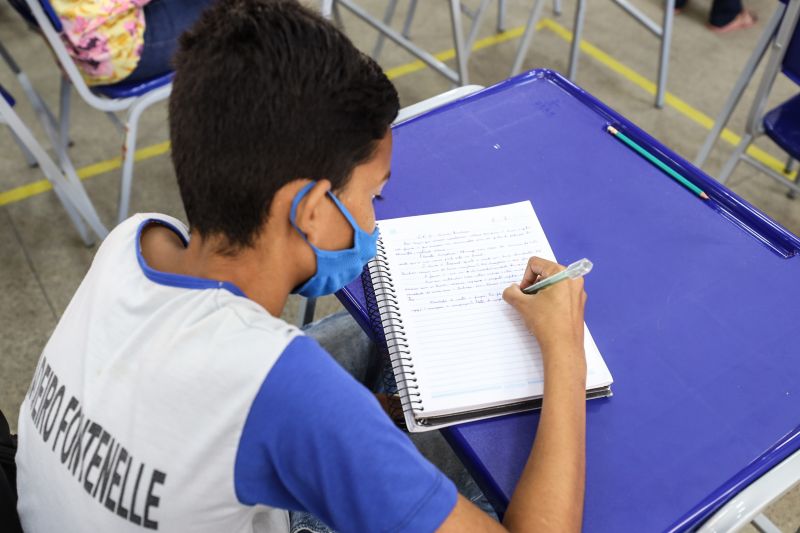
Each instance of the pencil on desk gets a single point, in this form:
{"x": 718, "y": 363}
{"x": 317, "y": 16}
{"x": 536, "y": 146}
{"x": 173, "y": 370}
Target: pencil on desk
{"x": 657, "y": 162}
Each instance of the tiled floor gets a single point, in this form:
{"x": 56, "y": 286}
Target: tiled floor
{"x": 42, "y": 260}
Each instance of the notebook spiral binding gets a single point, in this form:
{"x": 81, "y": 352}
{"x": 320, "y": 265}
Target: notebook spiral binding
{"x": 384, "y": 311}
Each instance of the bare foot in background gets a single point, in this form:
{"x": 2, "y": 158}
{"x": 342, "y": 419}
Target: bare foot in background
{"x": 743, "y": 20}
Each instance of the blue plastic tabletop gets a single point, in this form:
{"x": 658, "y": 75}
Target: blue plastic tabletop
{"x": 693, "y": 304}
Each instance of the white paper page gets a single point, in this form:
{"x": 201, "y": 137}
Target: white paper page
{"x": 449, "y": 270}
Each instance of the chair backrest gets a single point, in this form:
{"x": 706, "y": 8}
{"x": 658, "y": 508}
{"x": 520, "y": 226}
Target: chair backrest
{"x": 791, "y": 61}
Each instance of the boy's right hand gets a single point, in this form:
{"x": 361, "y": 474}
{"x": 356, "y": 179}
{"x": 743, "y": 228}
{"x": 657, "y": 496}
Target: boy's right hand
{"x": 554, "y": 315}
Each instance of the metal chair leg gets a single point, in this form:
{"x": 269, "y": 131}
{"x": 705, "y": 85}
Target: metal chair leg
{"x": 307, "y": 308}
{"x": 129, "y": 147}
{"x": 37, "y": 103}
{"x": 337, "y": 16}
{"x": 65, "y": 92}
{"x": 666, "y": 41}
{"x": 412, "y": 10}
{"x": 779, "y": 45}
{"x": 577, "y": 32}
{"x": 557, "y": 8}
{"x": 764, "y": 524}
{"x": 791, "y": 165}
{"x": 69, "y": 191}
{"x": 72, "y": 213}
{"x": 477, "y": 20}
{"x": 458, "y": 38}
{"x": 128, "y": 151}
{"x": 527, "y": 37}
{"x": 114, "y": 119}
{"x": 388, "y": 16}
{"x": 84, "y": 203}
{"x": 326, "y": 8}
{"x": 741, "y": 84}
{"x": 727, "y": 170}
{"x": 29, "y": 158}
{"x": 501, "y": 16}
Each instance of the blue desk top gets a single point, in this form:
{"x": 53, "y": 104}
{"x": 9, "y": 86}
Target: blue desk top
{"x": 693, "y": 304}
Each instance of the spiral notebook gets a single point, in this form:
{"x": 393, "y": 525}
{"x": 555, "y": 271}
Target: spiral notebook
{"x": 457, "y": 351}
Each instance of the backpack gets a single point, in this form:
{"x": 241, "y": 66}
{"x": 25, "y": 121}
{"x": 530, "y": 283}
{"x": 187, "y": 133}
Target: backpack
{"x": 9, "y": 520}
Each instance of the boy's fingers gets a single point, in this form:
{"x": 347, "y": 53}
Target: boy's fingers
{"x": 539, "y": 268}
{"x": 512, "y": 294}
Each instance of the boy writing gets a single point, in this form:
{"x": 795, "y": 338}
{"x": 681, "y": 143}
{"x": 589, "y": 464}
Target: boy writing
{"x": 170, "y": 398}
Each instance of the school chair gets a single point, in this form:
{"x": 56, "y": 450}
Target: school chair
{"x": 778, "y": 35}
{"x": 460, "y": 76}
{"x": 662, "y": 31}
{"x": 29, "y": 158}
{"x": 475, "y": 16}
{"x": 746, "y": 506}
{"x": 781, "y": 123}
{"x": 35, "y": 100}
{"x": 66, "y": 184}
{"x": 132, "y": 98}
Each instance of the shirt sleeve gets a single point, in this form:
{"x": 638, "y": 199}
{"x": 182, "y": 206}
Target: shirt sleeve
{"x": 316, "y": 440}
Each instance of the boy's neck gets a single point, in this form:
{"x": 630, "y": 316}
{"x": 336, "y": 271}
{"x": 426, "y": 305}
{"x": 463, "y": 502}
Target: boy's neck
{"x": 262, "y": 274}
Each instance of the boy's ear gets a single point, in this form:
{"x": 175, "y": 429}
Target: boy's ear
{"x": 310, "y": 209}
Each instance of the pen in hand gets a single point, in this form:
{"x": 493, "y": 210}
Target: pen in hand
{"x": 575, "y": 270}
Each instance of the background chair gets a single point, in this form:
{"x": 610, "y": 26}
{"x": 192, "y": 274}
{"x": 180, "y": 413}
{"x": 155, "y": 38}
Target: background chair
{"x": 24, "y": 149}
{"x": 66, "y": 185}
{"x": 133, "y": 98}
{"x": 747, "y": 505}
{"x": 41, "y": 109}
{"x": 477, "y": 18}
{"x": 663, "y": 32}
{"x": 460, "y": 76}
{"x": 781, "y": 124}
{"x": 764, "y": 41}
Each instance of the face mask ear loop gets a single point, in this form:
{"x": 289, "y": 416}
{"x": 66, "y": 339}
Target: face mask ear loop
{"x": 349, "y": 216}
{"x": 293, "y": 212}
{"x": 343, "y": 210}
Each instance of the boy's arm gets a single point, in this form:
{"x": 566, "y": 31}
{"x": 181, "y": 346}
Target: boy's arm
{"x": 549, "y": 495}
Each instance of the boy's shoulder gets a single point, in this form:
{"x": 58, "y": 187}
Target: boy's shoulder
{"x": 221, "y": 315}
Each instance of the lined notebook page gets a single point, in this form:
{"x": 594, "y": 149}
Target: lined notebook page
{"x": 469, "y": 348}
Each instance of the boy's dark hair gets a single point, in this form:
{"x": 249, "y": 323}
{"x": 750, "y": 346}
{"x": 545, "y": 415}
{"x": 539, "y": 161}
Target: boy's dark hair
{"x": 265, "y": 92}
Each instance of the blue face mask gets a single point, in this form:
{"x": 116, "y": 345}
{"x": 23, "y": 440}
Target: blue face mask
{"x": 335, "y": 268}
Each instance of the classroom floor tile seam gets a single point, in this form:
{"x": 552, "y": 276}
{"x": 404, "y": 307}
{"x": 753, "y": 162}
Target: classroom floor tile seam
{"x": 696, "y": 116}
{"x": 29, "y": 260}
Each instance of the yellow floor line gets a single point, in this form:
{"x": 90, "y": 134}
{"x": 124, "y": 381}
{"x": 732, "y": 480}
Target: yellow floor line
{"x": 18, "y": 194}
{"x": 670, "y": 99}
{"x": 493, "y": 40}
{"x": 26, "y": 191}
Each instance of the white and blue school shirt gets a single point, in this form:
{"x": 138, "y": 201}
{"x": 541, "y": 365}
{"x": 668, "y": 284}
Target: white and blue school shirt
{"x": 174, "y": 403}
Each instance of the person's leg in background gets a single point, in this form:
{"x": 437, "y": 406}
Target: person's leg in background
{"x": 729, "y": 15}
{"x": 342, "y": 337}
{"x": 165, "y": 21}
{"x": 725, "y": 16}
